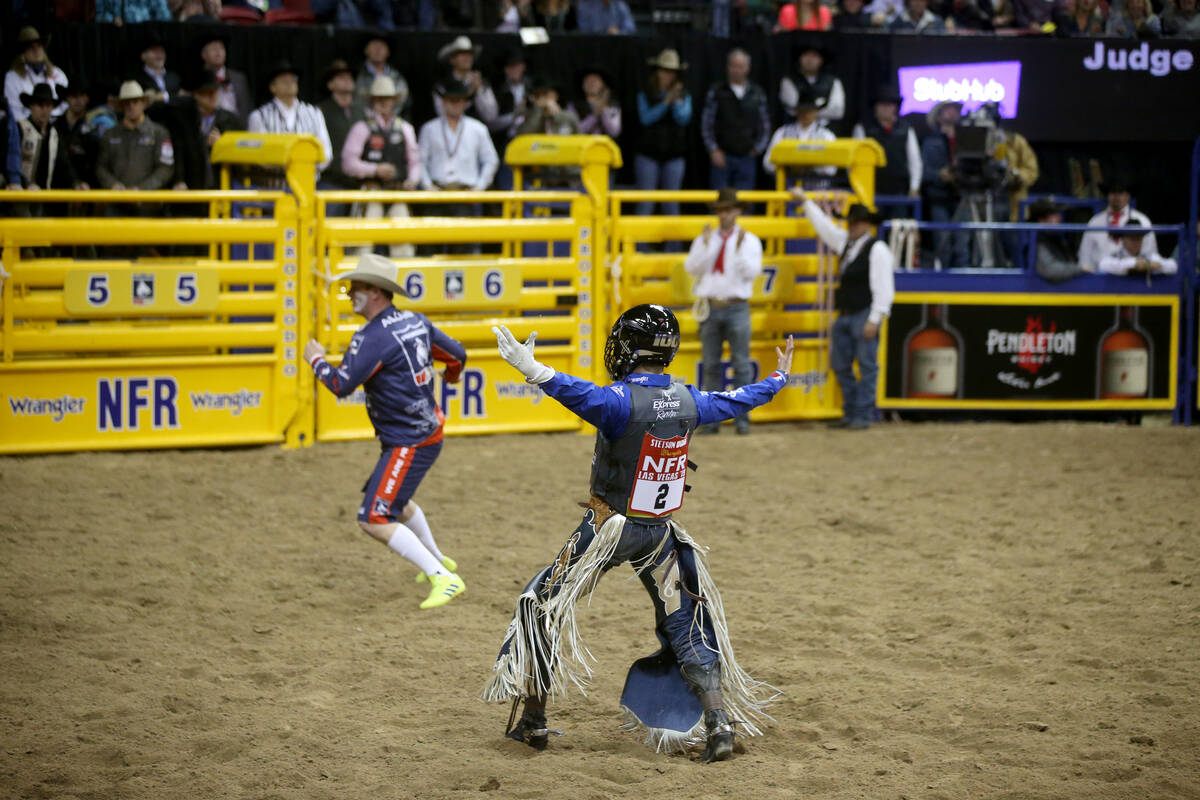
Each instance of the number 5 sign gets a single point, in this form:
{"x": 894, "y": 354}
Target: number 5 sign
{"x": 115, "y": 291}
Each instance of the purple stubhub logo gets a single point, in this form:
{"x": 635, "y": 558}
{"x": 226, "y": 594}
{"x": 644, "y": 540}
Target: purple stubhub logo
{"x": 970, "y": 84}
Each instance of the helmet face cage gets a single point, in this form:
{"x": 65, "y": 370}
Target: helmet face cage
{"x": 645, "y": 334}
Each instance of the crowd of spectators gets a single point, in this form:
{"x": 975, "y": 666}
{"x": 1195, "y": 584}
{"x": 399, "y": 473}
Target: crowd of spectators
{"x": 155, "y": 127}
{"x": 1131, "y": 18}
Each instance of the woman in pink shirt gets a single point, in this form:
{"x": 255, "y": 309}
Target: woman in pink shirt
{"x": 805, "y": 15}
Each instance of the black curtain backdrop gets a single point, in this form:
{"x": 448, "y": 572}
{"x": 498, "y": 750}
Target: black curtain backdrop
{"x": 1065, "y": 111}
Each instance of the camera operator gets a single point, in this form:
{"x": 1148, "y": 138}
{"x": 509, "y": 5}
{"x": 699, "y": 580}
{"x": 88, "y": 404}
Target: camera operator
{"x": 983, "y": 178}
{"x": 938, "y": 182}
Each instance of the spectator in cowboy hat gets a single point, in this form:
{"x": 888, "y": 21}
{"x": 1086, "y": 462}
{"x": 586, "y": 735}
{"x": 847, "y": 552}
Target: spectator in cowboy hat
{"x": 456, "y": 152}
{"x": 902, "y": 173}
{"x": 806, "y": 128}
{"x": 545, "y": 116}
{"x": 72, "y": 126}
{"x": 1055, "y": 258}
{"x": 1133, "y": 257}
{"x": 132, "y": 12}
{"x": 459, "y": 57}
{"x": 154, "y": 64}
{"x": 341, "y": 111}
{"x": 513, "y": 99}
{"x": 605, "y": 16}
{"x": 208, "y": 120}
{"x": 45, "y": 161}
{"x": 938, "y": 187}
{"x": 376, "y": 52}
{"x": 1095, "y": 247}
{"x": 29, "y": 69}
{"x": 664, "y": 111}
{"x": 136, "y": 153}
{"x": 233, "y": 90}
{"x": 381, "y": 151}
{"x": 286, "y": 113}
{"x": 810, "y": 69}
{"x": 723, "y": 264}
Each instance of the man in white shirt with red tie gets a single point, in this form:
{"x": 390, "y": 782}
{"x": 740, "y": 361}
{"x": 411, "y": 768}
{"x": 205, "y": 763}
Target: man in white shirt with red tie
{"x": 724, "y": 264}
{"x": 1095, "y": 247}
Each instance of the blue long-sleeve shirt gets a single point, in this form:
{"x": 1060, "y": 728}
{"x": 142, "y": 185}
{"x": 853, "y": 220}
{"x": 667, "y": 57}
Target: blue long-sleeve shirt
{"x": 596, "y": 16}
{"x": 608, "y": 407}
{"x": 681, "y": 110}
{"x": 391, "y": 357}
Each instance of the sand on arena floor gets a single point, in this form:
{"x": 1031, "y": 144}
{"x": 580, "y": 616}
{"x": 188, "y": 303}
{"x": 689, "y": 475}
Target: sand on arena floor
{"x": 951, "y": 611}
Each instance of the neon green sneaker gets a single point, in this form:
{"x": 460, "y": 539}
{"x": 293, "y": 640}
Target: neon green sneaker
{"x": 445, "y": 588}
{"x": 447, "y": 562}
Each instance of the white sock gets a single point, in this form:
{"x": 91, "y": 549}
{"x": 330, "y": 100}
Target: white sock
{"x": 405, "y": 542}
{"x": 421, "y": 528}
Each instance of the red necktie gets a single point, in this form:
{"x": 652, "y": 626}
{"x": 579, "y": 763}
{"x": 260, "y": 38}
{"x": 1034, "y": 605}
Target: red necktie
{"x": 719, "y": 266}
{"x": 1116, "y": 218}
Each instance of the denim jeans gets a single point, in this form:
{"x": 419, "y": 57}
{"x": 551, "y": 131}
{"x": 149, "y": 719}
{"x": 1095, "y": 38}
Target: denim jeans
{"x": 738, "y": 172}
{"x": 952, "y": 248}
{"x": 729, "y": 324}
{"x": 665, "y": 175}
{"x": 847, "y": 345}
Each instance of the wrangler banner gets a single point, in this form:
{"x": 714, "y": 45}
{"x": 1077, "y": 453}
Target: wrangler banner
{"x": 1028, "y": 351}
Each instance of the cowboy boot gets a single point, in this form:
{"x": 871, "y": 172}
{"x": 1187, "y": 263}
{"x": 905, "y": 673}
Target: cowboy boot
{"x": 706, "y": 683}
{"x": 531, "y": 728}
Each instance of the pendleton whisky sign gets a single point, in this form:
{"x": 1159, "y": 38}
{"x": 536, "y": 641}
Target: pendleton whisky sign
{"x": 976, "y": 351}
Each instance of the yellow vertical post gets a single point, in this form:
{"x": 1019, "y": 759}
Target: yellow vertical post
{"x": 596, "y": 156}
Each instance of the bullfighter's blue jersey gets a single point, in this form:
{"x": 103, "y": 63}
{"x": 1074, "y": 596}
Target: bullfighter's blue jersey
{"x": 607, "y": 407}
{"x": 391, "y": 357}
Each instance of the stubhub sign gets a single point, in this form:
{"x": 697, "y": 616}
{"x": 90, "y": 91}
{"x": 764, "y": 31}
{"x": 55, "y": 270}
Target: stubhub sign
{"x": 921, "y": 88}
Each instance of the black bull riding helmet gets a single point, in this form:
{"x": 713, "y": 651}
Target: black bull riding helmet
{"x": 645, "y": 334}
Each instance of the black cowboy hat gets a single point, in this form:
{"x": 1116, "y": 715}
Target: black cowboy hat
{"x": 203, "y": 80}
{"x": 860, "y": 213}
{"x": 726, "y": 198}
{"x": 75, "y": 87}
{"x": 1042, "y": 208}
{"x": 42, "y": 93}
{"x": 336, "y": 67}
{"x": 149, "y": 40}
{"x": 453, "y": 87}
{"x": 514, "y": 56}
{"x": 886, "y": 93}
{"x": 1133, "y": 228}
{"x": 825, "y": 53}
{"x": 1118, "y": 183}
{"x": 594, "y": 69}
{"x": 281, "y": 67}
{"x": 544, "y": 82}
{"x": 807, "y": 98}
{"x": 213, "y": 36}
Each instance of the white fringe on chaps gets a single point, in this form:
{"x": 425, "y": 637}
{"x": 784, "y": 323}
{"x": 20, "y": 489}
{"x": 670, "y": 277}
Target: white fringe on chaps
{"x": 546, "y": 653}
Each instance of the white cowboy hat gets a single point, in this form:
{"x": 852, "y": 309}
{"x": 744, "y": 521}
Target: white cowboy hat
{"x": 668, "y": 59}
{"x": 376, "y": 270}
{"x": 461, "y": 44}
{"x": 383, "y": 86}
{"x": 131, "y": 90}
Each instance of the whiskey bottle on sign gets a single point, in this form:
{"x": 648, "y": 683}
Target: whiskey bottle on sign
{"x": 1125, "y": 358}
{"x": 933, "y": 356}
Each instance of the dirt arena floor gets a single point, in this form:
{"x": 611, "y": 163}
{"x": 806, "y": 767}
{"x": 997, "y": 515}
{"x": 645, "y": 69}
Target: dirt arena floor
{"x": 951, "y": 611}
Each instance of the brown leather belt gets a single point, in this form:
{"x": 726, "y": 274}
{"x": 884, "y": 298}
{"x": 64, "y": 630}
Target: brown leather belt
{"x": 601, "y": 507}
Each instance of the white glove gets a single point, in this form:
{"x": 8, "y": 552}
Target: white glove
{"x": 520, "y": 355}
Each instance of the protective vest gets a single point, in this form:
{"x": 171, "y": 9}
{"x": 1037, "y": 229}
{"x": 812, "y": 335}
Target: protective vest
{"x": 642, "y": 473}
{"x": 893, "y": 177}
{"x": 31, "y": 141}
{"x": 854, "y": 291}
{"x": 386, "y": 146}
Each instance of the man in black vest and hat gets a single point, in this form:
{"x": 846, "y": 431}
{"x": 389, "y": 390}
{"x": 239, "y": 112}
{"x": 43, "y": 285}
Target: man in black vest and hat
{"x": 901, "y": 176}
{"x": 862, "y": 299}
{"x": 824, "y": 85}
